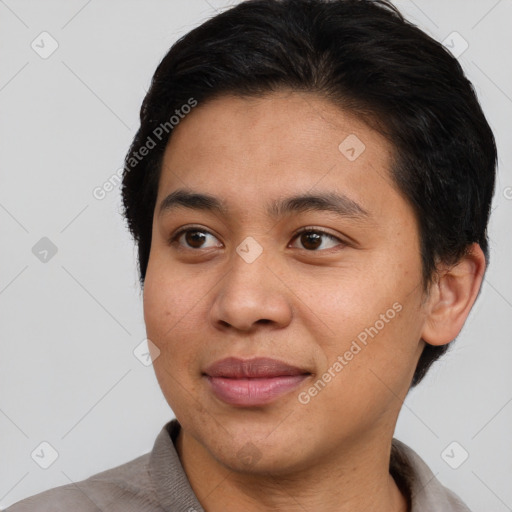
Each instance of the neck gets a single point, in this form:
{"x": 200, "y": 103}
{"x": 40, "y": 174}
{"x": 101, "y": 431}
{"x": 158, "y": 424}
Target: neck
{"x": 357, "y": 479}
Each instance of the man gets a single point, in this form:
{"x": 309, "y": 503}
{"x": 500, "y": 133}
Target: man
{"x": 309, "y": 190}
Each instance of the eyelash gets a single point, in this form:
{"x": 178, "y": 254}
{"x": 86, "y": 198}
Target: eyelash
{"x": 318, "y": 231}
{"x": 173, "y": 240}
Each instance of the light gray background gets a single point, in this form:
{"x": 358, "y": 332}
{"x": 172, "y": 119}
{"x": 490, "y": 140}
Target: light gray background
{"x": 68, "y": 375}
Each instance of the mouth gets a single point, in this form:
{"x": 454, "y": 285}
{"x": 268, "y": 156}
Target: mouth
{"x": 252, "y": 382}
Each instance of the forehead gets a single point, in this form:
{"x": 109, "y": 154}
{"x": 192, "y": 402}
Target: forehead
{"x": 252, "y": 149}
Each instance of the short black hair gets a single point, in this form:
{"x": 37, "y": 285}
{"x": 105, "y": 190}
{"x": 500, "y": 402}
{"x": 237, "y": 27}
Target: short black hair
{"x": 364, "y": 57}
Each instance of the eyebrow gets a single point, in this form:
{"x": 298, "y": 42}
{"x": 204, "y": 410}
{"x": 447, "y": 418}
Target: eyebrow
{"x": 339, "y": 204}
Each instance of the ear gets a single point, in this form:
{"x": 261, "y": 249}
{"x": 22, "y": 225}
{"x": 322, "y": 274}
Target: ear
{"x": 452, "y": 296}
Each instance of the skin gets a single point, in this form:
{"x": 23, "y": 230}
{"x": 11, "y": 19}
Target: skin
{"x": 298, "y": 302}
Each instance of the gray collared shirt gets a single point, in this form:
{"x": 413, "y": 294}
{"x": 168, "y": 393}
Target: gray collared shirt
{"x": 156, "y": 482}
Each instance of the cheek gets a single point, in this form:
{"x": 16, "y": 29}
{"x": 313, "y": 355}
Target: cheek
{"x": 375, "y": 318}
{"x": 168, "y": 298}
{"x": 344, "y": 305}
{"x": 175, "y": 307}
{"x": 169, "y": 306}
{"x": 371, "y": 377}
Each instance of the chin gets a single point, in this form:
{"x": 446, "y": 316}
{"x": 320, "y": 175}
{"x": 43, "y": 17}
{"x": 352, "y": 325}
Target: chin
{"x": 253, "y": 459}
{"x": 255, "y": 451}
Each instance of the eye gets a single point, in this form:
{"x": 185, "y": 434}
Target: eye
{"x": 310, "y": 239}
{"x": 194, "y": 238}
{"x": 314, "y": 239}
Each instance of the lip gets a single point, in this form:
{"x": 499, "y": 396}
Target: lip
{"x": 252, "y": 382}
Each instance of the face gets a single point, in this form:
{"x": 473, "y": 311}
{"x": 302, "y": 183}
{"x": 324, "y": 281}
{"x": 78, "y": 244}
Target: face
{"x": 283, "y": 237}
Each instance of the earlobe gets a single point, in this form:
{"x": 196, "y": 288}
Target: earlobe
{"x": 452, "y": 296}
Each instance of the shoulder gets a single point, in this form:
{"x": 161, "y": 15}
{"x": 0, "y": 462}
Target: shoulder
{"x": 154, "y": 482}
{"x": 414, "y": 476}
{"x": 123, "y": 488}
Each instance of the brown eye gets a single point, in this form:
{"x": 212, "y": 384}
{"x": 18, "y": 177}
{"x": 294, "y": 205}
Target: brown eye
{"x": 313, "y": 239}
{"x": 195, "y": 239}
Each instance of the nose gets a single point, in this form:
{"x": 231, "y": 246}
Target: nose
{"x": 251, "y": 295}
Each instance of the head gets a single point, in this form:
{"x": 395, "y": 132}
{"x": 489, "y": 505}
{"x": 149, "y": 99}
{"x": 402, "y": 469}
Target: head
{"x": 276, "y": 99}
